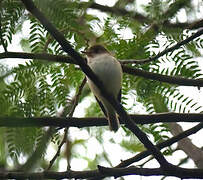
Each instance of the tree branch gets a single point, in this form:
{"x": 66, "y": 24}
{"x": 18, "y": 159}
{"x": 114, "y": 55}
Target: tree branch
{"x": 161, "y": 145}
{"x": 143, "y": 19}
{"x": 165, "y": 51}
{"x": 120, "y": 12}
{"x": 178, "y": 172}
{"x": 144, "y": 154}
{"x": 38, "y": 153}
{"x": 66, "y": 59}
{"x": 163, "y": 78}
{"x": 133, "y": 71}
{"x": 70, "y": 114}
{"x": 116, "y": 172}
{"x": 51, "y": 162}
{"x": 76, "y": 97}
{"x": 49, "y": 175}
{"x": 41, "y": 56}
{"x": 97, "y": 121}
{"x": 195, "y": 153}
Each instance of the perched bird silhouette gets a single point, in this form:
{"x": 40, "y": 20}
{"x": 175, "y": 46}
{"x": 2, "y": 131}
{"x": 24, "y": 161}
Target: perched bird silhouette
{"x": 109, "y": 71}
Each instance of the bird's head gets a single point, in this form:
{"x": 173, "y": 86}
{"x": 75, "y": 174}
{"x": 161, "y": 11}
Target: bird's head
{"x": 95, "y": 50}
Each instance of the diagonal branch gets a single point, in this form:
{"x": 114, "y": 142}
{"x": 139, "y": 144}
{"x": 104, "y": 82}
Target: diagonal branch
{"x": 143, "y": 19}
{"x": 51, "y": 162}
{"x": 186, "y": 145}
{"x": 162, "y": 145}
{"x": 77, "y": 96}
{"x": 86, "y": 69}
{"x": 165, "y": 51}
{"x": 120, "y": 12}
{"x": 144, "y": 154}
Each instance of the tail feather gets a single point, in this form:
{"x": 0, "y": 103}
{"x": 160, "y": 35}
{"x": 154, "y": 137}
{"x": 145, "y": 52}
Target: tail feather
{"x": 111, "y": 116}
{"x": 113, "y": 122}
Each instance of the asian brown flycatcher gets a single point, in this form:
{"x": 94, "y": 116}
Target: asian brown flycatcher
{"x": 109, "y": 71}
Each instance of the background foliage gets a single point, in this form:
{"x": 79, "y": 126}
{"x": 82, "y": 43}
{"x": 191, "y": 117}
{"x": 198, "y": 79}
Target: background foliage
{"x": 41, "y": 88}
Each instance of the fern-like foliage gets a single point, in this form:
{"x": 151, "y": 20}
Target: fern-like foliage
{"x": 162, "y": 97}
{"x": 10, "y": 18}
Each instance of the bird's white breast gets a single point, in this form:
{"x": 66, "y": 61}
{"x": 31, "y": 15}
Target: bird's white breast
{"x": 109, "y": 71}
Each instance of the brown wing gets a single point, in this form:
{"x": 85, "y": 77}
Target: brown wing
{"x": 119, "y": 96}
{"x": 101, "y": 106}
{"x": 119, "y": 100}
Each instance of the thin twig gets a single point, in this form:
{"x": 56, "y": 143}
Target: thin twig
{"x": 59, "y": 149}
{"x": 64, "y": 140}
{"x": 77, "y": 96}
{"x": 37, "y": 154}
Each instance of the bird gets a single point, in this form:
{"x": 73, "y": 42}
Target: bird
{"x": 108, "y": 69}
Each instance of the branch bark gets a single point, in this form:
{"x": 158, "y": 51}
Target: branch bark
{"x": 132, "y": 71}
{"x": 164, "y": 78}
{"x": 97, "y": 121}
{"x": 143, "y": 19}
{"x": 41, "y": 56}
{"x": 177, "y": 172}
{"x": 116, "y": 172}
